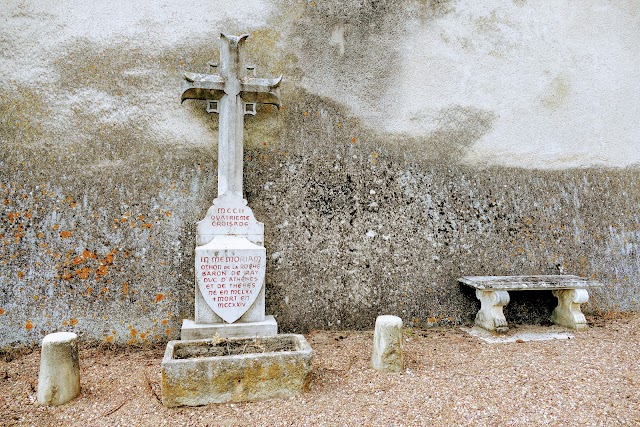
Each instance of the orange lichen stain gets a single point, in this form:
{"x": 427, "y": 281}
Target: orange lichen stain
{"x": 73, "y": 321}
{"x": 66, "y": 234}
{"x": 147, "y": 225}
{"x": 165, "y": 321}
{"x": 40, "y": 236}
{"x": 104, "y": 290}
{"x": 109, "y": 338}
{"x": 88, "y": 254}
{"x": 1, "y": 311}
{"x": 306, "y": 114}
{"x": 29, "y": 325}
{"x": 143, "y": 335}
{"x": 28, "y": 215}
{"x": 141, "y": 217}
{"x": 101, "y": 271}
{"x": 89, "y": 290}
{"x": 77, "y": 260}
{"x": 55, "y": 227}
{"x": 167, "y": 213}
{"x": 65, "y": 323}
{"x": 431, "y": 319}
{"x": 73, "y": 205}
{"x": 83, "y": 273}
{"x": 133, "y": 332}
{"x": 125, "y": 288}
{"x": 13, "y": 216}
{"x": 66, "y": 275}
{"x": 20, "y": 274}
{"x": 159, "y": 297}
{"x": 167, "y": 331}
{"x": 123, "y": 219}
{"x": 353, "y": 140}
{"x": 374, "y": 155}
{"x": 109, "y": 257}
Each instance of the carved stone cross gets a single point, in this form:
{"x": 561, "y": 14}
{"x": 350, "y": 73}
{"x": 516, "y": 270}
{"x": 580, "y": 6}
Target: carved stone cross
{"x": 232, "y": 93}
{"x": 230, "y": 259}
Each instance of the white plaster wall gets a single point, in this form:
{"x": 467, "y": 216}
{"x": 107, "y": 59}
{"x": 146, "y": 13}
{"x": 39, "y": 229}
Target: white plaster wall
{"x": 562, "y": 77}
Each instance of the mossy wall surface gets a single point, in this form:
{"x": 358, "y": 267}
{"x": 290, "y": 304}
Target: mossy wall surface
{"x": 418, "y": 142}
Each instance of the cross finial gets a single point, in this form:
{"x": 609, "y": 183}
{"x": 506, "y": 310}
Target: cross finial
{"x": 231, "y": 94}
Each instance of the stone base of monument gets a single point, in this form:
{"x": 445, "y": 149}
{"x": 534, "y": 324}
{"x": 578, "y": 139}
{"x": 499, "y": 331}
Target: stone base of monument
{"x": 200, "y": 372}
{"x": 197, "y": 331}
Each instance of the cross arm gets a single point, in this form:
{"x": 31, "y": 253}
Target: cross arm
{"x": 263, "y": 91}
{"x": 201, "y": 86}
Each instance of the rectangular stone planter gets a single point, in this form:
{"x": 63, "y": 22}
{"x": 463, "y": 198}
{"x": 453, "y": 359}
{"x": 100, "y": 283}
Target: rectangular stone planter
{"x": 199, "y": 372}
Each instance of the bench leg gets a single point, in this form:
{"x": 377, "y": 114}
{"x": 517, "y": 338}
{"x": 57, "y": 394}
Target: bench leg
{"x": 490, "y": 316}
{"x": 568, "y": 312}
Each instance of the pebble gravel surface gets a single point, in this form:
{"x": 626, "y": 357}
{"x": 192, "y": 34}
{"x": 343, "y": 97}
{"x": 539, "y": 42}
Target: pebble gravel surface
{"x": 451, "y": 379}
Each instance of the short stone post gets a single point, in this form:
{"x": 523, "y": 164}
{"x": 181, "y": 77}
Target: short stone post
{"x": 387, "y": 353}
{"x": 59, "y": 378}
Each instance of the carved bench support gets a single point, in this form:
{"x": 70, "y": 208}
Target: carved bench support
{"x": 568, "y": 312}
{"x": 490, "y": 315}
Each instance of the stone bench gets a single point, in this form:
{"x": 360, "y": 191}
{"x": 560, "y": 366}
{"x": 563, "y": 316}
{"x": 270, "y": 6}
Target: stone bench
{"x": 493, "y": 293}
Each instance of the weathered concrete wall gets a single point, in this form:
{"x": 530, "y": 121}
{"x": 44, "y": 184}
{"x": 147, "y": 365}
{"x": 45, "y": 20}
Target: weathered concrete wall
{"x": 419, "y": 141}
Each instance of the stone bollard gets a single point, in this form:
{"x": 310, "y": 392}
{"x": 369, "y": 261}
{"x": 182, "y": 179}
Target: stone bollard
{"x": 387, "y": 345}
{"x": 59, "y": 378}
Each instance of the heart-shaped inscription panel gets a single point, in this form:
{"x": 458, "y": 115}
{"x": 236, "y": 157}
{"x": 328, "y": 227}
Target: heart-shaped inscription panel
{"x": 230, "y": 272}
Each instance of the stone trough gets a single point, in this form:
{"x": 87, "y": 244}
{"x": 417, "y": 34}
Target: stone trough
{"x": 199, "y": 372}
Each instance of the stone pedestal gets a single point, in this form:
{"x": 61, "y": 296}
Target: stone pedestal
{"x": 198, "y": 331}
{"x": 230, "y": 266}
{"x": 59, "y": 378}
{"x": 387, "y": 353}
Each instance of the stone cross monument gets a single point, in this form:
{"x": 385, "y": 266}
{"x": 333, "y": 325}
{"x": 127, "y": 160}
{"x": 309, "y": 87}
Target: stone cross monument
{"x": 230, "y": 257}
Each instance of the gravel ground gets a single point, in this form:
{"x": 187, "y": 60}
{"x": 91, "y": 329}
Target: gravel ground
{"x": 451, "y": 379}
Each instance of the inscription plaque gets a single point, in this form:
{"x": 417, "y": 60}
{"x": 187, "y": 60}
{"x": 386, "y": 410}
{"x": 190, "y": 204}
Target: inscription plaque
{"x": 230, "y": 273}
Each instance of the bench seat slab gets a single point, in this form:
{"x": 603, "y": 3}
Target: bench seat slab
{"x": 528, "y": 283}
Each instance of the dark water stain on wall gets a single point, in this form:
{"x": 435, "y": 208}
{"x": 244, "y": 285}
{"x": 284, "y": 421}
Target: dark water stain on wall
{"x": 392, "y": 239}
{"x": 97, "y": 216}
